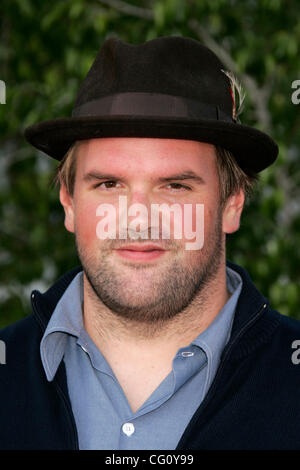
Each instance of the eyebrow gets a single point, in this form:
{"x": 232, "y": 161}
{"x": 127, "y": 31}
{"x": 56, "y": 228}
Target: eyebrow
{"x": 95, "y": 175}
{"x": 186, "y": 175}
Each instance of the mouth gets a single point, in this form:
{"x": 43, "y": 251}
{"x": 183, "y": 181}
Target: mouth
{"x": 141, "y": 252}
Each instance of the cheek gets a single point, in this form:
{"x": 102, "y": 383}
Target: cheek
{"x": 199, "y": 226}
{"x": 90, "y": 215}
{"x": 86, "y": 222}
{"x": 196, "y": 217}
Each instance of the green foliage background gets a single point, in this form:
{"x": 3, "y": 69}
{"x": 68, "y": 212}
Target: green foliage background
{"x": 46, "y": 49}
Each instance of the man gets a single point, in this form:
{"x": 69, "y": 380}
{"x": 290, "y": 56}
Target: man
{"x": 153, "y": 342}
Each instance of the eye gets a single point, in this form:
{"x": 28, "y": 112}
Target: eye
{"x": 106, "y": 184}
{"x": 179, "y": 187}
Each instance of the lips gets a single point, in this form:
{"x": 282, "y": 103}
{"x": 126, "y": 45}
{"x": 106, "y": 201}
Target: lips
{"x": 141, "y": 252}
{"x": 141, "y": 248}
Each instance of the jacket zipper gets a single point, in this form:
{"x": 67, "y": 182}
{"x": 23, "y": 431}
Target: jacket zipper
{"x": 219, "y": 372}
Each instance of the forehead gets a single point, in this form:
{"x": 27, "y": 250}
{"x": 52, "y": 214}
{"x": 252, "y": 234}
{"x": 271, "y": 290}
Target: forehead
{"x": 147, "y": 156}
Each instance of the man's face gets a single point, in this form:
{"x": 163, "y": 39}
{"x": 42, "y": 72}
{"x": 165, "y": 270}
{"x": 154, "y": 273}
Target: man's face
{"x": 153, "y": 286}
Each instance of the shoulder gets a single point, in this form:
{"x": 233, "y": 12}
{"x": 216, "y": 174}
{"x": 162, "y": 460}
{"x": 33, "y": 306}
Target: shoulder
{"x": 18, "y": 329}
{"x": 288, "y": 327}
{"x": 279, "y": 356}
{"x": 287, "y": 340}
{"x": 20, "y": 341}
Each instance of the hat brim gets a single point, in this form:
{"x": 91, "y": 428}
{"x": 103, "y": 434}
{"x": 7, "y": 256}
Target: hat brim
{"x": 253, "y": 149}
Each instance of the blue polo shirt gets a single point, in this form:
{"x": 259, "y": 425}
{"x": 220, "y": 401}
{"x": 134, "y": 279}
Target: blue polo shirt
{"x": 102, "y": 413}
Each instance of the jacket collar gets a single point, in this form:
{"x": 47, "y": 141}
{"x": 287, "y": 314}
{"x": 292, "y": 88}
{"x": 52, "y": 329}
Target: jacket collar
{"x": 43, "y": 305}
{"x": 250, "y": 301}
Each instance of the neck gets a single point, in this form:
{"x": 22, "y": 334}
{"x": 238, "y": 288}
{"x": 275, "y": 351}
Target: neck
{"x": 112, "y": 333}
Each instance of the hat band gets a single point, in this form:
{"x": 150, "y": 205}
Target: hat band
{"x": 150, "y": 104}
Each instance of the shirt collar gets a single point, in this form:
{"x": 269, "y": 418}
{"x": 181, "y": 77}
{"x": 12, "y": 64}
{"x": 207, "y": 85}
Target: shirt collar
{"x": 67, "y": 319}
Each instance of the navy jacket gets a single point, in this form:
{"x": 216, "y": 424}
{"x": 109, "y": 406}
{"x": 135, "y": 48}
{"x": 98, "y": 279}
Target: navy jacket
{"x": 253, "y": 402}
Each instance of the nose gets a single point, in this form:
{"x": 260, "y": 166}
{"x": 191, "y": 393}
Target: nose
{"x": 139, "y": 201}
{"x": 139, "y": 210}
{"x": 139, "y": 196}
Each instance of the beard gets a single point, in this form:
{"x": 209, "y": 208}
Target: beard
{"x": 153, "y": 293}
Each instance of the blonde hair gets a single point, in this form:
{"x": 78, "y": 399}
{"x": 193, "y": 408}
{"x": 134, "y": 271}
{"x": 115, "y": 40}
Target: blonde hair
{"x": 66, "y": 169}
{"x": 232, "y": 178}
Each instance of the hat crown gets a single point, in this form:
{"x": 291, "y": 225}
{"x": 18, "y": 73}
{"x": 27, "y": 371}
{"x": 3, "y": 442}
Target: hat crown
{"x": 171, "y": 65}
{"x": 170, "y": 87}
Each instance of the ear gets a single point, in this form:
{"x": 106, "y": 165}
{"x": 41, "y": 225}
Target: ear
{"x": 232, "y": 212}
{"x": 67, "y": 202}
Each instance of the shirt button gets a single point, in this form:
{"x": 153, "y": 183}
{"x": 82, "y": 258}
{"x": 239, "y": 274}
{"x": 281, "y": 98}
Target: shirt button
{"x": 187, "y": 353}
{"x": 128, "y": 429}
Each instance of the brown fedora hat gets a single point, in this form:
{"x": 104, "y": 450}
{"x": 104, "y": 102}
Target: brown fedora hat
{"x": 169, "y": 87}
